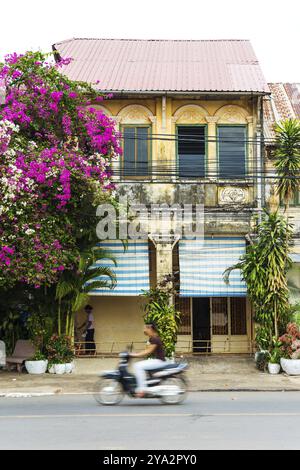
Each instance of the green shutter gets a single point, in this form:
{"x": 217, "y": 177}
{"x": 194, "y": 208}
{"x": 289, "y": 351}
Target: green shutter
{"x": 232, "y": 151}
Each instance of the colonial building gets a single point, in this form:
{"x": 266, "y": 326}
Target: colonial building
{"x": 191, "y": 118}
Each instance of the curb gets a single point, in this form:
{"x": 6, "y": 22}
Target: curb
{"x": 26, "y": 394}
{"x": 245, "y": 390}
{"x": 200, "y": 390}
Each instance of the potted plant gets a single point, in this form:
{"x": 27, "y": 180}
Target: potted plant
{"x": 51, "y": 368}
{"x": 160, "y": 310}
{"x": 262, "y": 340}
{"x": 274, "y": 357}
{"x": 56, "y": 366}
{"x": 60, "y": 354}
{"x": 37, "y": 364}
{"x": 60, "y": 368}
{"x": 38, "y": 332}
{"x": 69, "y": 360}
{"x": 290, "y": 360}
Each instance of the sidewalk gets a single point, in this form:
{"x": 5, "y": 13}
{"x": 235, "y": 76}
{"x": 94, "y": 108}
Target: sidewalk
{"x": 211, "y": 373}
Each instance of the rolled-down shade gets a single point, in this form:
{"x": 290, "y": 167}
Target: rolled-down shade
{"x": 132, "y": 269}
{"x": 203, "y": 262}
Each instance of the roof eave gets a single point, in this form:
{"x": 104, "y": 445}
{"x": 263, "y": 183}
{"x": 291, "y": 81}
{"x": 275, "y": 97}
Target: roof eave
{"x": 185, "y": 93}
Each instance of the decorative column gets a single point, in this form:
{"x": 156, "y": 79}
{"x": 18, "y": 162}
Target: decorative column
{"x": 116, "y": 163}
{"x": 154, "y": 145}
{"x": 164, "y": 260}
{"x": 212, "y": 157}
{"x": 174, "y": 120}
{"x": 251, "y": 153}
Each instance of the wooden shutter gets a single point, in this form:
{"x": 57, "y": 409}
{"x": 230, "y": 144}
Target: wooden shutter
{"x": 232, "y": 151}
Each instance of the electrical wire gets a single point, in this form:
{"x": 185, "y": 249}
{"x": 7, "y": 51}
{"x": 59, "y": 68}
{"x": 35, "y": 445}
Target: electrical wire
{"x": 197, "y": 139}
{"x": 165, "y": 168}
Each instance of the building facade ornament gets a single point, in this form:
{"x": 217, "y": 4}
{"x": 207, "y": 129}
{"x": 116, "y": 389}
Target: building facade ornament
{"x": 232, "y": 114}
{"x": 135, "y": 114}
{"x": 190, "y": 114}
{"x": 230, "y": 194}
{"x": 212, "y": 119}
{"x": 153, "y": 119}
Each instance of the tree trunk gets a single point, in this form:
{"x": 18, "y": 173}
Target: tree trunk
{"x": 71, "y": 328}
{"x": 59, "y": 318}
{"x": 275, "y": 320}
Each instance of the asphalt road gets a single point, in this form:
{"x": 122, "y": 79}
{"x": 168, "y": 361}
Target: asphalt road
{"x": 229, "y": 420}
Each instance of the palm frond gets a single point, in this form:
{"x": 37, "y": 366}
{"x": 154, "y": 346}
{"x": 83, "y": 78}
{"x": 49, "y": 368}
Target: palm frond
{"x": 98, "y": 285}
{"x": 63, "y": 289}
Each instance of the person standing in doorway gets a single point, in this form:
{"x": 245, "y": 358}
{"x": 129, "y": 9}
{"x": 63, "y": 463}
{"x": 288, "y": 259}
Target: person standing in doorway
{"x": 90, "y": 346}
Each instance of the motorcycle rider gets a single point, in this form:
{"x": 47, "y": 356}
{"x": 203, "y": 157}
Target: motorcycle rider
{"x": 156, "y": 350}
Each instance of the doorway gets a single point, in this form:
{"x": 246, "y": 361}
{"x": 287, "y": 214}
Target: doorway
{"x": 221, "y": 325}
{"x": 201, "y": 325}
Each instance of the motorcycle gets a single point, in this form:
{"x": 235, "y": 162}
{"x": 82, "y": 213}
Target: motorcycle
{"x": 166, "y": 383}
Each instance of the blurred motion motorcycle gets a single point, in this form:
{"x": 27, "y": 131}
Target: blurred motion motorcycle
{"x": 167, "y": 383}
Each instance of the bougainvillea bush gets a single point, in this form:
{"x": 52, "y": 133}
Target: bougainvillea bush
{"x": 291, "y": 342}
{"x": 56, "y": 151}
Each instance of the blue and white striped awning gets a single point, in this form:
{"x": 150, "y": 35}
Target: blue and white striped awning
{"x": 203, "y": 262}
{"x": 295, "y": 257}
{"x": 132, "y": 269}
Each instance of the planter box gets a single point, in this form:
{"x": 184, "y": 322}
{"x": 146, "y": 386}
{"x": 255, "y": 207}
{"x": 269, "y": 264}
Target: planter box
{"x": 36, "y": 367}
{"x": 290, "y": 366}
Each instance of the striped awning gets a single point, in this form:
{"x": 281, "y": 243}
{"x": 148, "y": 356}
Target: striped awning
{"x": 295, "y": 257}
{"x": 203, "y": 262}
{"x": 132, "y": 269}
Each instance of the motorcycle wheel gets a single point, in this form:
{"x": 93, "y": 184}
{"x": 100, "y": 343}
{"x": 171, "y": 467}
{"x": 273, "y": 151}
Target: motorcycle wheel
{"x": 108, "y": 392}
{"x": 176, "y": 391}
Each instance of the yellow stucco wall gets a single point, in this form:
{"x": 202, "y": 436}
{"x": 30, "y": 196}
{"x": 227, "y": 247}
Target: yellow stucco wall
{"x": 118, "y": 322}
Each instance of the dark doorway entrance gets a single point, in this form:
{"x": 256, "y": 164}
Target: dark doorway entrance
{"x": 201, "y": 325}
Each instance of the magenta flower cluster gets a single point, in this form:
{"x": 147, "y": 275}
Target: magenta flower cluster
{"x": 56, "y": 152}
{"x": 5, "y": 255}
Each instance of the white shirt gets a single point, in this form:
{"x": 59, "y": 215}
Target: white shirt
{"x": 91, "y": 320}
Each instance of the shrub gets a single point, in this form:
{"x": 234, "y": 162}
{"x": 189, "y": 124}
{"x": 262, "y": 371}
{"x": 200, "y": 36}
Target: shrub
{"x": 291, "y": 342}
{"x": 60, "y": 349}
{"x": 162, "y": 312}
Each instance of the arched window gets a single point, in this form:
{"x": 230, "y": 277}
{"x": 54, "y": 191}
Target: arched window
{"x": 191, "y": 140}
{"x": 135, "y": 125}
{"x": 232, "y": 138}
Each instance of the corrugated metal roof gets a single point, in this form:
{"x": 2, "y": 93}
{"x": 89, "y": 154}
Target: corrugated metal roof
{"x": 164, "y": 65}
{"x": 284, "y": 103}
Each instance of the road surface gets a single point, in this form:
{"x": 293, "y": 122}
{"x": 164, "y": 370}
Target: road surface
{"x": 221, "y": 420}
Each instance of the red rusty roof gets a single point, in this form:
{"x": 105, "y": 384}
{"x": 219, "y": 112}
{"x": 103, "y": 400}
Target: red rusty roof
{"x": 284, "y": 103}
{"x": 123, "y": 65}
